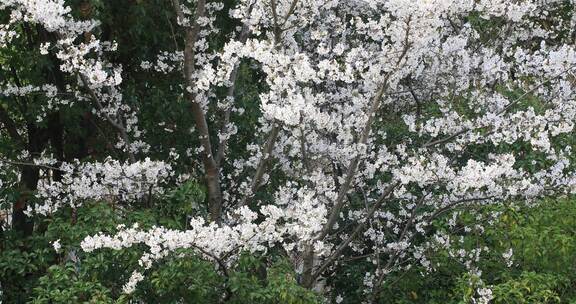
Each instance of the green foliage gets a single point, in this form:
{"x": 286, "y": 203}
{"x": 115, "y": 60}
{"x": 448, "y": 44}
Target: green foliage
{"x": 529, "y": 287}
{"x": 189, "y": 279}
{"x": 543, "y": 238}
{"x": 254, "y": 282}
{"x": 543, "y": 270}
{"x": 39, "y": 274}
{"x": 62, "y": 284}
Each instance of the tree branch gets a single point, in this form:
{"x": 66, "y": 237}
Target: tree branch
{"x": 230, "y": 96}
{"x": 266, "y": 155}
{"x": 211, "y": 167}
{"x": 332, "y": 258}
{"x": 10, "y": 126}
{"x": 353, "y": 166}
{"x": 117, "y": 123}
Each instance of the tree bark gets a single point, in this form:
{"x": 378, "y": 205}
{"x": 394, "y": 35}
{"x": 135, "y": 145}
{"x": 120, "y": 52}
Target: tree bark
{"x": 37, "y": 140}
{"x": 212, "y": 170}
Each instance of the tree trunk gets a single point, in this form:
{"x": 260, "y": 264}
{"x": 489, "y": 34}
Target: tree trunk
{"x": 37, "y": 140}
{"x": 214, "y": 193}
{"x": 307, "y": 268}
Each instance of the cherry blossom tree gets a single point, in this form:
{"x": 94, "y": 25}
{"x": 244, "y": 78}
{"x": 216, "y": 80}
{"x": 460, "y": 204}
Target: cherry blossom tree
{"x": 374, "y": 120}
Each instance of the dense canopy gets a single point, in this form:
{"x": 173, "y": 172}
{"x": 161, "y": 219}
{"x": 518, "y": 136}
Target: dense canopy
{"x": 245, "y": 151}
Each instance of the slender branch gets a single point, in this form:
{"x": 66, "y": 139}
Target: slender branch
{"x": 172, "y": 32}
{"x": 271, "y": 140}
{"x": 230, "y": 96}
{"x": 277, "y": 30}
{"x": 303, "y": 143}
{"x": 445, "y": 139}
{"x": 504, "y": 110}
{"x": 393, "y": 258}
{"x": 21, "y": 163}
{"x": 211, "y": 167}
{"x": 353, "y": 166}
{"x": 454, "y": 204}
{"x": 266, "y": 156}
{"x": 533, "y": 90}
{"x": 417, "y": 100}
{"x": 290, "y": 11}
{"x": 332, "y": 258}
{"x": 221, "y": 265}
{"x": 10, "y": 126}
{"x": 410, "y": 239}
{"x": 178, "y": 10}
{"x": 117, "y": 123}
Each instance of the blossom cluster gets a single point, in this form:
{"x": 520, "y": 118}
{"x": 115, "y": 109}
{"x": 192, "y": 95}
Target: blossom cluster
{"x": 84, "y": 58}
{"x": 376, "y": 118}
{"x": 110, "y": 180}
{"x": 336, "y": 71}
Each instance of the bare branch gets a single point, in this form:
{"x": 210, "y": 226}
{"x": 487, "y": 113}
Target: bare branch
{"x": 353, "y": 166}
{"x": 117, "y": 123}
{"x": 10, "y": 126}
{"x": 504, "y": 110}
{"x": 334, "y": 256}
{"x": 230, "y": 96}
{"x": 266, "y": 156}
{"x": 212, "y": 174}
{"x": 27, "y": 164}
